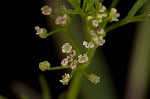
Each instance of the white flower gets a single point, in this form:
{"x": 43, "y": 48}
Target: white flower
{"x": 42, "y": 32}
{"x": 61, "y": 20}
{"x": 102, "y": 8}
{"x": 72, "y": 53}
{"x": 82, "y": 58}
{"x": 46, "y": 10}
{"x": 85, "y": 44}
{"x": 69, "y": 58}
{"x": 73, "y": 64}
{"x": 95, "y": 23}
{"x": 66, "y": 48}
{"x": 89, "y": 17}
{"x": 99, "y": 40}
{"x": 64, "y": 62}
{"x": 114, "y": 14}
{"x": 88, "y": 45}
{"x": 65, "y": 79}
{"x": 39, "y": 30}
{"x": 100, "y": 31}
{"x": 93, "y": 78}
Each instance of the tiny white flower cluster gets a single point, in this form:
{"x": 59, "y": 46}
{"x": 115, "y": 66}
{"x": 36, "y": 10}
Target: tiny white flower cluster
{"x": 114, "y": 15}
{"x": 97, "y": 38}
{"x": 96, "y": 20}
{"x": 71, "y": 61}
{"x": 60, "y": 20}
{"x": 65, "y": 79}
{"x": 101, "y": 15}
{"x": 88, "y": 44}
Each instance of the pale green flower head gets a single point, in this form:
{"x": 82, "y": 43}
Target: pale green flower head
{"x": 42, "y": 32}
{"x": 45, "y": 65}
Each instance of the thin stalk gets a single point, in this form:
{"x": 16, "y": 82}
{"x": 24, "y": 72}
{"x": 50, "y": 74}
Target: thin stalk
{"x": 73, "y": 41}
{"x": 74, "y": 87}
{"x": 138, "y": 4}
{"x": 125, "y": 21}
{"x": 56, "y": 68}
{"x": 55, "y": 31}
{"x": 75, "y": 83}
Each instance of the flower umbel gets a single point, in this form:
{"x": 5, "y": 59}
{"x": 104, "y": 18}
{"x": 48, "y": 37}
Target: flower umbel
{"x": 65, "y": 79}
{"x": 45, "y": 65}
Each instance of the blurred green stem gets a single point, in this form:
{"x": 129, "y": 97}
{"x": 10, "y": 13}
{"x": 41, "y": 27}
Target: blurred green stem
{"x": 139, "y": 69}
{"x": 74, "y": 86}
{"x": 73, "y": 41}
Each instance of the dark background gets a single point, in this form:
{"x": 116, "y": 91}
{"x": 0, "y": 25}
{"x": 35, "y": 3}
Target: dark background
{"x": 22, "y": 50}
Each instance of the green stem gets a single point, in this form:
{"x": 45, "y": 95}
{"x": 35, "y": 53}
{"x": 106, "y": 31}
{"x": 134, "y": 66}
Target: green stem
{"x": 125, "y": 21}
{"x": 46, "y": 94}
{"x": 73, "y": 41}
{"x": 138, "y": 4}
{"x": 58, "y": 67}
{"x": 71, "y": 74}
{"x": 73, "y": 12}
{"x": 144, "y": 16}
{"x": 54, "y": 31}
{"x": 75, "y": 83}
{"x": 74, "y": 87}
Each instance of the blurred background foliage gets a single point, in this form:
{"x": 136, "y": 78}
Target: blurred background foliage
{"x": 123, "y": 63}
